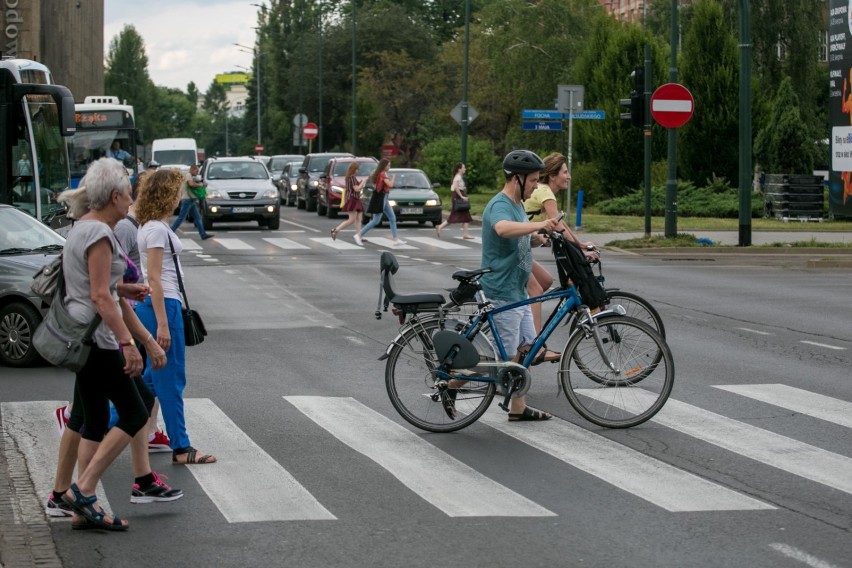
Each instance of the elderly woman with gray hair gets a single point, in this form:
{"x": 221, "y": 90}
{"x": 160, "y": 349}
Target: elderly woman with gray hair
{"x": 93, "y": 264}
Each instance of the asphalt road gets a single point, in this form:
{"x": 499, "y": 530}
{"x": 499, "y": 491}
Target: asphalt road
{"x": 747, "y": 465}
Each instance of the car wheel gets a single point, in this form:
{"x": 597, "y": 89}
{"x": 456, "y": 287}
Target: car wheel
{"x": 332, "y": 212}
{"x": 321, "y": 209}
{"x": 291, "y": 201}
{"x": 311, "y": 204}
{"x": 300, "y": 204}
{"x": 273, "y": 223}
{"x": 365, "y": 219}
{"x": 207, "y": 224}
{"x": 18, "y": 322}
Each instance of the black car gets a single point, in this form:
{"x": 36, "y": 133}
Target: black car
{"x": 25, "y": 246}
{"x": 288, "y": 183}
{"x": 276, "y": 165}
{"x": 312, "y": 168}
{"x": 412, "y": 197}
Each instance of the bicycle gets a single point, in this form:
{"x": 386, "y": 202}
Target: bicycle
{"x": 442, "y": 372}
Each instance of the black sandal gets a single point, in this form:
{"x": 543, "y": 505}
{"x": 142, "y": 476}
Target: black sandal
{"x": 96, "y": 517}
{"x": 542, "y": 356}
{"x": 530, "y": 414}
{"x": 191, "y": 457}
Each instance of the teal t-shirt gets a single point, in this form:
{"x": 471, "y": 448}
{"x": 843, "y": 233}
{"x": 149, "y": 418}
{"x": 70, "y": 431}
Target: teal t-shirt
{"x": 510, "y": 259}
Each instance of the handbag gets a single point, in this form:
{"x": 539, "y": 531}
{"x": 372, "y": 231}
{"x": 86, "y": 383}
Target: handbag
{"x": 461, "y": 205}
{"x": 46, "y": 279}
{"x": 193, "y": 327}
{"x": 59, "y": 338}
{"x": 377, "y": 203}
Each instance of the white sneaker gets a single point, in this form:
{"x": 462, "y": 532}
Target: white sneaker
{"x": 400, "y": 242}
{"x": 358, "y": 241}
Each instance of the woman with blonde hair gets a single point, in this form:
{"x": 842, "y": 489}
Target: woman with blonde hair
{"x": 351, "y": 201}
{"x": 161, "y": 311}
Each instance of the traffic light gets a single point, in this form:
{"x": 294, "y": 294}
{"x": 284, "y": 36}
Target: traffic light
{"x": 636, "y": 102}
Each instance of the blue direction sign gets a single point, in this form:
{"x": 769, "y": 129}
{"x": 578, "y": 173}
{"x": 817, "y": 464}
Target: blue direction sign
{"x": 541, "y": 115}
{"x": 542, "y": 125}
{"x": 589, "y": 115}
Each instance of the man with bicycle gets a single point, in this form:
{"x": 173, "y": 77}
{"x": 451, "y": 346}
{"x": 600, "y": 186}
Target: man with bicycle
{"x": 507, "y": 238}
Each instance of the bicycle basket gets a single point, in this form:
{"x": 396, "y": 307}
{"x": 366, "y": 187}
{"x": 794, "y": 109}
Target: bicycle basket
{"x": 574, "y": 269}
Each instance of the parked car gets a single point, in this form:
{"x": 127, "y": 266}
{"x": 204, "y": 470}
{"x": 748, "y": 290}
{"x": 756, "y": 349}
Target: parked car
{"x": 288, "y": 183}
{"x": 262, "y": 159}
{"x": 312, "y": 168}
{"x": 332, "y": 183}
{"x": 412, "y": 197}
{"x": 276, "y": 168}
{"x": 25, "y": 246}
{"x": 240, "y": 189}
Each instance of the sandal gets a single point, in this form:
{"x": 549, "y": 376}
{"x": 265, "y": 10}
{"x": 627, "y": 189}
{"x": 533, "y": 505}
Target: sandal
{"x": 83, "y": 524}
{"x": 530, "y": 414}
{"x": 85, "y": 506}
{"x": 334, "y": 234}
{"x": 448, "y": 401}
{"x": 192, "y": 457}
{"x": 546, "y": 356}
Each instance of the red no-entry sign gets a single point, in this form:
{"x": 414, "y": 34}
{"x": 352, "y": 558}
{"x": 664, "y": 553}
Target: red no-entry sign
{"x": 310, "y": 131}
{"x": 672, "y": 105}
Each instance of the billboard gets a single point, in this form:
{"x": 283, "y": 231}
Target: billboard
{"x": 840, "y": 107}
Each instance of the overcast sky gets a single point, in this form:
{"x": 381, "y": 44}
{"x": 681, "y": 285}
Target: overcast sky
{"x": 186, "y": 40}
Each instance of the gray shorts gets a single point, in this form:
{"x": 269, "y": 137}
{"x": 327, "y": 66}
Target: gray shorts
{"x": 515, "y": 327}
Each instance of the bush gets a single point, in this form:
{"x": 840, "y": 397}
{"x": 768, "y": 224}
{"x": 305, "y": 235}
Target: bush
{"x": 717, "y": 199}
{"x": 483, "y": 166}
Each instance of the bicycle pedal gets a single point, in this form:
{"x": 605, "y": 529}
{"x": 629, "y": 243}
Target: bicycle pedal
{"x": 504, "y": 406}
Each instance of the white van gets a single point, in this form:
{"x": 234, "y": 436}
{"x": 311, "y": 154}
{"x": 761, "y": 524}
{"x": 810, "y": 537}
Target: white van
{"x": 175, "y": 153}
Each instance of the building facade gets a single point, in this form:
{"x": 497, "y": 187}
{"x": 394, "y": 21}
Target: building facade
{"x": 65, "y": 35}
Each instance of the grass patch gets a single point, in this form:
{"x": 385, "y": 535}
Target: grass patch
{"x": 685, "y": 240}
{"x": 597, "y": 223}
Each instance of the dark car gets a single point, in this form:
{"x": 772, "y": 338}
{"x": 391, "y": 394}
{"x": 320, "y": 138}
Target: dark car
{"x": 25, "y": 246}
{"x": 288, "y": 183}
{"x": 332, "y": 184}
{"x": 276, "y": 166}
{"x": 312, "y": 168}
{"x": 240, "y": 189}
{"x": 412, "y": 197}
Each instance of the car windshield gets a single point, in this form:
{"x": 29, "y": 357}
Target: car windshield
{"x": 364, "y": 168}
{"x": 294, "y": 169}
{"x": 21, "y": 233}
{"x": 411, "y": 180}
{"x": 236, "y": 170}
{"x": 277, "y": 164}
{"x": 319, "y": 164}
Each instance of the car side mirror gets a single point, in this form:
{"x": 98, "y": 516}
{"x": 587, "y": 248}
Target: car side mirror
{"x": 303, "y": 170}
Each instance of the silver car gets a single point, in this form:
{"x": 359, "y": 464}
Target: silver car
{"x": 25, "y": 246}
{"x": 240, "y": 189}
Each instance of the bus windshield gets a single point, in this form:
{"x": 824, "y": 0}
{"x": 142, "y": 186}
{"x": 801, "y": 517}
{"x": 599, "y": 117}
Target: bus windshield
{"x": 51, "y": 173}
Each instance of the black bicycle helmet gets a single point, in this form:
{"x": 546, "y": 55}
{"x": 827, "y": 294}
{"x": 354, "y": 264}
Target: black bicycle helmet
{"x": 522, "y": 162}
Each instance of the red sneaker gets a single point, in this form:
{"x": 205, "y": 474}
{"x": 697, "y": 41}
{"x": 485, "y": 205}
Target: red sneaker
{"x": 159, "y": 443}
{"x": 61, "y": 421}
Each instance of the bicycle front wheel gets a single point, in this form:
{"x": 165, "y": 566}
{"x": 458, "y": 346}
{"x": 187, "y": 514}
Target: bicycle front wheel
{"x": 411, "y": 380}
{"x": 637, "y": 307}
{"x": 622, "y": 380}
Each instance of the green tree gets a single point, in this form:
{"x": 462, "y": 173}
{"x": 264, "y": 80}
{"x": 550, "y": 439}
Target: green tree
{"x": 708, "y": 143}
{"x": 126, "y": 76}
{"x": 176, "y": 115}
{"x": 483, "y": 166}
{"x": 784, "y": 145}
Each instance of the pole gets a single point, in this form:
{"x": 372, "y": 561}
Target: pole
{"x": 257, "y": 65}
{"x": 648, "y": 131}
{"x": 227, "y": 145}
{"x": 354, "y": 72}
{"x": 319, "y": 122}
{"x": 745, "y": 126}
{"x": 562, "y": 195}
{"x": 570, "y": 149}
{"x": 671, "y": 181}
{"x": 464, "y": 103}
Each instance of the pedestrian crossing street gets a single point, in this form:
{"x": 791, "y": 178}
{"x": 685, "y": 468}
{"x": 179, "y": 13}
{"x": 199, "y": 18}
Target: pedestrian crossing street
{"x": 299, "y": 240}
{"x": 423, "y": 468}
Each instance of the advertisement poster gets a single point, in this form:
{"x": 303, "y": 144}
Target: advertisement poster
{"x": 840, "y": 107}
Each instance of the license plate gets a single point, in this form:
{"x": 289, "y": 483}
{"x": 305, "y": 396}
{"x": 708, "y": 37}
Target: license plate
{"x": 411, "y": 211}
{"x": 242, "y": 210}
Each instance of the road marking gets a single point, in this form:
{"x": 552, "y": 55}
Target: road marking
{"x": 800, "y": 555}
{"x": 827, "y": 346}
{"x": 188, "y": 245}
{"x": 388, "y": 243}
{"x": 754, "y": 331}
{"x": 338, "y": 244}
{"x": 798, "y": 400}
{"x": 234, "y": 244}
{"x": 440, "y": 479}
{"x": 283, "y": 243}
{"x": 643, "y": 476}
{"x": 246, "y": 484}
{"x": 760, "y": 445}
{"x": 30, "y": 431}
{"x": 437, "y": 243}
{"x": 305, "y": 227}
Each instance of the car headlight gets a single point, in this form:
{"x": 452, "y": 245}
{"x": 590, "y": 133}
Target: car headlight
{"x": 271, "y": 194}
{"x": 214, "y": 194}
{"x": 432, "y": 202}
{"x": 294, "y": 187}
{"x": 313, "y": 183}
{"x": 392, "y": 202}
{"x": 336, "y": 189}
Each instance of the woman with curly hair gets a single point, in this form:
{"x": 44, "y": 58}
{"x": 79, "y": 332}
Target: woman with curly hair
{"x": 160, "y": 313}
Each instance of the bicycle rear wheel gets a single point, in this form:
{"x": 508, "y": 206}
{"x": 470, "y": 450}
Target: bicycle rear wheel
{"x": 637, "y": 307}
{"x": 411, "y": 382}
{"x": 630, "y": 392}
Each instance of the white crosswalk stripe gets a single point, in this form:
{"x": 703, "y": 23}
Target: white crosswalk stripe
{"x": 246, "y": 484}
{"x": 286, "y": 244}
{"x": 761, "y": 445}
{"x": 189, "y": 245}
{"x": 233, "y": 244}
{"x": 797, "y": 400}
{"x": 648, "y": 478}
{"x": 422, "y": 467}
{"x": 437, "y": 243}
{"x": 388, "y": 243}
{"x": 341, "y": 243}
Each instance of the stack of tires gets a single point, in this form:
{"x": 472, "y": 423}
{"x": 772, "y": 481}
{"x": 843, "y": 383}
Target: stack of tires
{"x": 791, "y": 197}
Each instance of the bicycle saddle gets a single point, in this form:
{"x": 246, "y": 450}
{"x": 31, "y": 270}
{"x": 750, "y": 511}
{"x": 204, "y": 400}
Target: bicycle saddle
{"x": 465, "y": 275}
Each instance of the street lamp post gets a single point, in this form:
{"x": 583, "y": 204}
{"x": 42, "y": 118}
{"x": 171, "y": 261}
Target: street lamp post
{"x": 256, "y": 53}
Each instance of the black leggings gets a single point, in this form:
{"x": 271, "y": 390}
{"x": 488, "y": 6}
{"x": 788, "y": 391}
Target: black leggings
{"x": 100, "y": 381}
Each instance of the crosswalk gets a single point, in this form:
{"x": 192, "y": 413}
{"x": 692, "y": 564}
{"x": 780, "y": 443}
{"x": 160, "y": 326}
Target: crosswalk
{"x": 344, "y": 242}
{"x": 267, "y": 491}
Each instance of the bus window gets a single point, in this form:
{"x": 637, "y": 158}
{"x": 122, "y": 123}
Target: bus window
{"x": 51, "y": 153}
